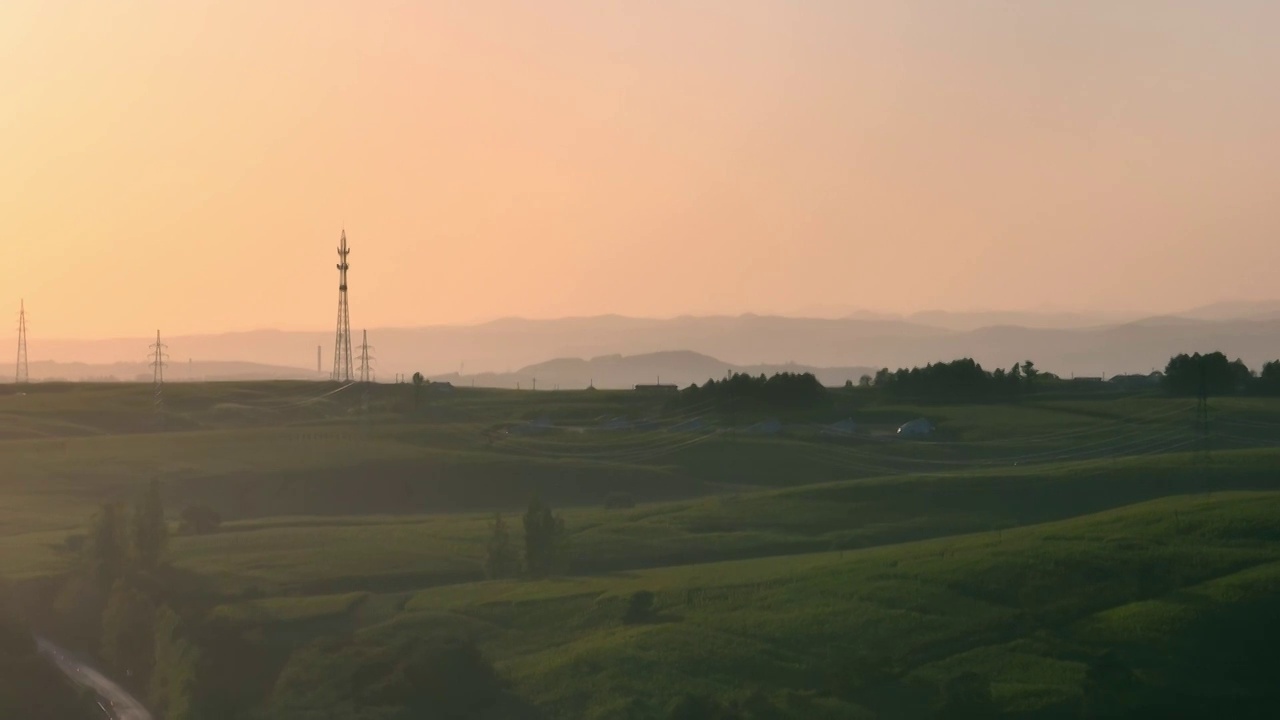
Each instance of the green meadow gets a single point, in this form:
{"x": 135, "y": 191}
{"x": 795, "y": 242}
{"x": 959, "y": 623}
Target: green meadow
{"x": 1044, "y": 558}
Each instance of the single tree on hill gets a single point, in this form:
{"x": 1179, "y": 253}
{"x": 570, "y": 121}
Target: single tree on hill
{"x": 639, "y": 608}
{"x": 1030, "y": 372}
{"x": 418, "y": 382}
{"x": 150, "y": 532}
{"x": 1269, "y": 378}
{"x": 501, "y": 559}
{"x": 543, "y": 539}
{"x": 106, "y": 546}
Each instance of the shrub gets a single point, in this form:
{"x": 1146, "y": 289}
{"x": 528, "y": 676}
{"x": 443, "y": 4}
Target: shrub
{"x": 639, "y": 608}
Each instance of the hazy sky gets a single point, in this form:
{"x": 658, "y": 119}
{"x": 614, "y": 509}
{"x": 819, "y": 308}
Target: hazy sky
{"x": 188, "y": 164}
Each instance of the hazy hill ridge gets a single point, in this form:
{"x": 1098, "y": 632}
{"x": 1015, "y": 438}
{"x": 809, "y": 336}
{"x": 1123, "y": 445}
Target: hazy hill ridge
{"x": 516, "y": 346}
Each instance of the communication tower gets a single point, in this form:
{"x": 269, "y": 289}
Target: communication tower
{"x": 342, "y": 360}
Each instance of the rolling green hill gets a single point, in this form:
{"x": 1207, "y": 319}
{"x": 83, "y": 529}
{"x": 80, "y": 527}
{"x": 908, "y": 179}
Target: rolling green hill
{"x": 1039, "y": 559}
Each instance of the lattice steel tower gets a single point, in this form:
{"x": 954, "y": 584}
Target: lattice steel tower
{"x": 22, "y": 376}
{"x": 342, "y": 360}
{"x": 159, "y": 359}
{"x": 366, "y": 360}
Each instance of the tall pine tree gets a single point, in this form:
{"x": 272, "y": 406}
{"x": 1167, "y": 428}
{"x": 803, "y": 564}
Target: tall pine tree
{"x": 150, "y": 532}
{"x": 543, "y": 539}
{"x": 501, "y": 559}
{"x": 106, "y": 547}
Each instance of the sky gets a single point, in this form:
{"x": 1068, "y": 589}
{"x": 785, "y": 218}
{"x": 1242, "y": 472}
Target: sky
{"x": 189, "y": 165}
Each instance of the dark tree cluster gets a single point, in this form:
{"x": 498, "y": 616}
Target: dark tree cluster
{"x": 639, "y": 607}
{"x": 501, "y": 559}
{"x": 1211, "y": 374}
{"x": 544, "y": 539}
{"x": 1269, "y": 378}
{"x": 961, "y": 380}
{"x": 782, "y": 390}
{"x": 544, "y": 545}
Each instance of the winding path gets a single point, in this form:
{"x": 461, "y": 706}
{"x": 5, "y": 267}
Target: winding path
{"x": 119, "y": 704}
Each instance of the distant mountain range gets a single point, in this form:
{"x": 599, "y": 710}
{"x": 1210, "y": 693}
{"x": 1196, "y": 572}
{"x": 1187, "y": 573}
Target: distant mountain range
{"x": 633, "y": 350}
{"x": 1267, "y": 310}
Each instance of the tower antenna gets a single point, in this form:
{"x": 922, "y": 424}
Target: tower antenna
{"x": 366, "y": 360}
{"x": 22, "y": 376}
{"x": 342, "y": 370}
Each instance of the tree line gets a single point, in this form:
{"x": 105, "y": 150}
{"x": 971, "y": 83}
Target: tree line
{"x": 1214, "y": 374}
{"x": 965, "y": 380}
{"x": 961, "y": 380}
{"x": 782, "y": 390}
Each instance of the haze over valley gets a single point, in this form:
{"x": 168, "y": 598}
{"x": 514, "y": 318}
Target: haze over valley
{"x": 504, "y": 353}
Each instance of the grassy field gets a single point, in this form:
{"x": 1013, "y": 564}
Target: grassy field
{"x": 803, "y": 573}
{"x": 833, "y": 634}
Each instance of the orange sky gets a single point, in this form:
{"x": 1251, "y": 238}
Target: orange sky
{"x": 188, "y": 164}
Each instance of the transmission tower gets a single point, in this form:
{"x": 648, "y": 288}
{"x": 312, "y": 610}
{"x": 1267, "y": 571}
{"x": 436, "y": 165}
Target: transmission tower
{"x": 342, "y": 371}
{"x": 158, "y": 363}
{"x": 366, "y": 360}
{"x": 22, "y": 376}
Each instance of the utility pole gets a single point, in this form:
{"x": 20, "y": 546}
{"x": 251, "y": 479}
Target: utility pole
{"x": 319, "y": 367}
{"x": 158, "y": 363}
{"x": 21, "y": 376}
{"x": 342, "y": 371}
